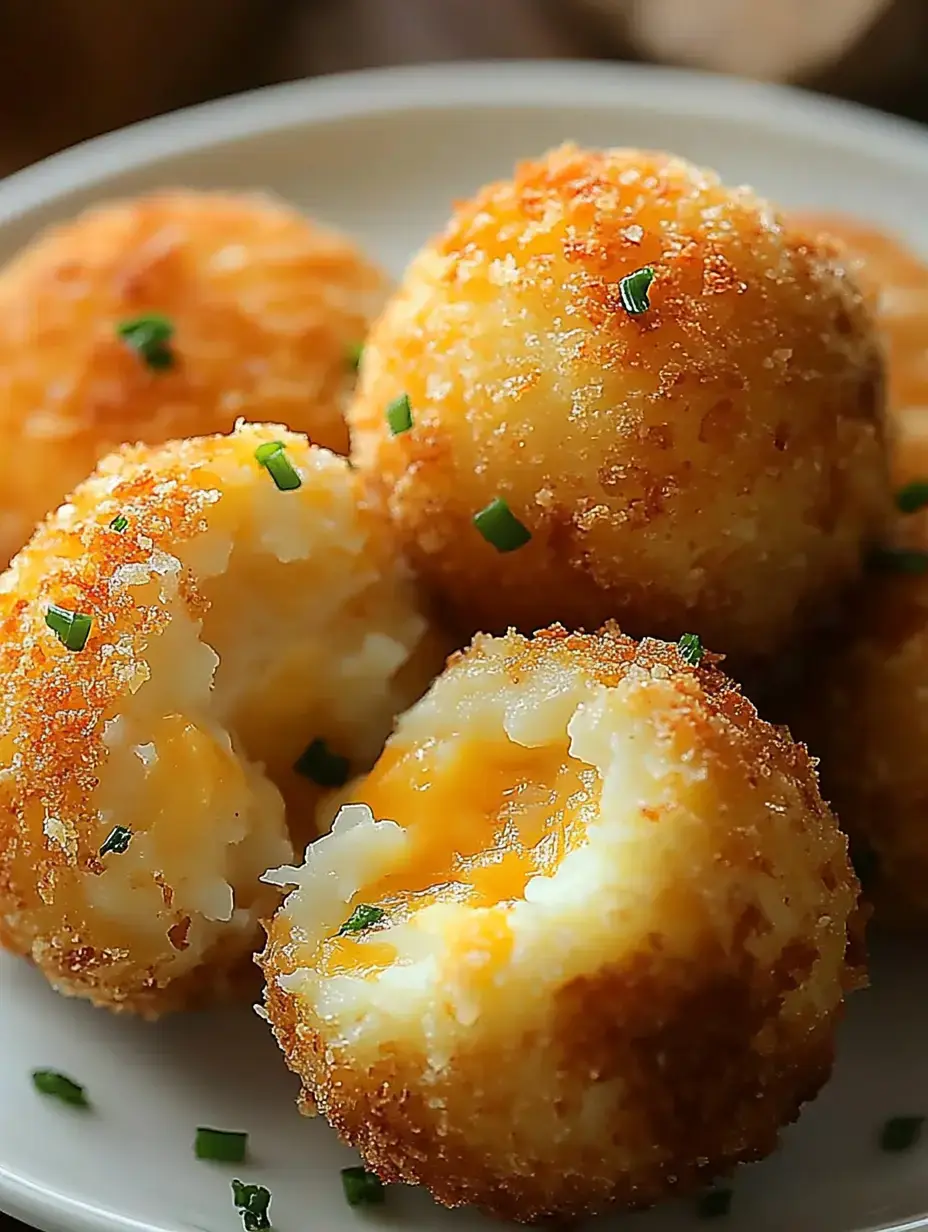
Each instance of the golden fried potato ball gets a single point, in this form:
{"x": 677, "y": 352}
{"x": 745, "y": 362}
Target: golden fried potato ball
{"x": 714, "y": 462}
{"x": 265, "y": 308}
{"x": 896, "y": 279}
{"x": 864, "y": 710}
{"x": 171, "y": 641}
{"x": 581, "y": 939}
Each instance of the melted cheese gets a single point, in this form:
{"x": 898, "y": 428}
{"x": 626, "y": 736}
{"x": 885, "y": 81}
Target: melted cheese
{"x": 483, "y": 817}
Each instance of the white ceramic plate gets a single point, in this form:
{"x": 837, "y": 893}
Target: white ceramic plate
{"x": 383, "y": 155}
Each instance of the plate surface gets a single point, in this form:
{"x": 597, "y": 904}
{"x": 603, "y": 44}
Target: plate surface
{"x": 383, "y": 155}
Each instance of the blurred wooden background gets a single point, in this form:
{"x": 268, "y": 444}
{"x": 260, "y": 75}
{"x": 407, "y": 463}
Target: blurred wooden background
{"x": 70, "y": 69}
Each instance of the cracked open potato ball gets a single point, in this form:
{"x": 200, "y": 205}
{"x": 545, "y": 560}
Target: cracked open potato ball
{"x": 579, "y": 940}
{"x": 196, "y": 620}
{"x": 614, "y": 387}
{"x": 167, "y": 316}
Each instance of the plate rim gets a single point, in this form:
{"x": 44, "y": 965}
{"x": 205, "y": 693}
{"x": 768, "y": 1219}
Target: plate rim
{"x": 787, "y": 111}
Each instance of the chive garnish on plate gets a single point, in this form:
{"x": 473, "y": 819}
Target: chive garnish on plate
{"x": 691, "y": 649}
{"x": 353, "y": 355}
{"x": 633, "y": 291}
{"x": 150, "y": 335}
{"x": 500, "y": 527}
{"x": 362, "y": 1188}
{"x": 900, "y": 1133}
{"x": 913, "y": 496}
{"x": 713, "y": 1204}
{"x": 362, "y": 918}
{"x": 60, "y": 1086}
{"x": 119, "y": 523}
{"x": 272, "y": 455}
{"x": 117, "y": 840}
{"x": 252, "y": 1202}
{"x": 399, "y": 415}
{"x": 320, "y": 764}
{"x": 71, "y": 628}
{"x": 221, "y": 1145}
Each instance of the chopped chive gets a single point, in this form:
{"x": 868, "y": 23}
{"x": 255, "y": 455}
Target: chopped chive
{"x": 714, "y": 1203}
{"x": 633, "y": 291}
{"x": 500, "y": 526}
{"x": 901, "y": 560}
{"x": 119, "y": 523}
{"x": 272, "y": 455}
{"x": 320, "y": 764}
{"x": 362, "y": 1188}
{"x": 71, "y": 628}
{"x": 252, "y": 1202}
{"x": 222, "y": 1145}
{"x": 399, "y": 415}
{"x": 117, "y": 840}
{"x": 913, "y": 496}
{"x": 353, "y": 355}
{"x": 901, "y": 1133}
{"x": 362, "y": 918}
{"x": 50, "y": 1082}
{"x": 691, "y": 649}
{"x": 150, "y": 335}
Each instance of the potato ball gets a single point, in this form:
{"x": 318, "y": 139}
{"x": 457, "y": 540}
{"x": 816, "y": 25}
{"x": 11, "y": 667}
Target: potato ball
{"x": 198, "y": 618}
{"x": 698, "y": 452}
{"x": 864, "y": 710}
{"x": 897, "y": 281}
{"x": 170, "y": 316}
{"x": 580, "y": 939}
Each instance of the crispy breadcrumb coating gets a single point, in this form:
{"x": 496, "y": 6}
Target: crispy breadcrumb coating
{"x": 233, "y": 623}
{"x": 265, "y": 306}
{"x": 714, "y": 463}
{"x": 618, "y": 926}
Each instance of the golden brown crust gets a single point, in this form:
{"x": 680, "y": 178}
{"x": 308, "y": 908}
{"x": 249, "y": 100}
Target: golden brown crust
{"x": 657, "y": 1068}
{"x": 265, "y": 307}
{"x": 713, "y": 464}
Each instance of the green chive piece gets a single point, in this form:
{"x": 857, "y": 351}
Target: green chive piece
{"x": 222, "y": 1145}
{"x": 117, "y": 840}
{"x": 633, "y": 291}
{"x": 324, "y": 767}
{"x": 399, "y": 415}
{"x": 71, "y": 628}
{"x": 119, "y": 523}
{"x": 901, "y": 560}
{"x": 714, "y": 1203}
{"x": 691, "y": 649}
{"x": 361, "y": 919}
{"x": 150, "y": 335}
{"x": 501, "y": 528}
{"x": 362, "y": 1188}
{"x": 353, "y": 355}
{"x": 913, "y": 496}
{"x": 901, "y": 1133}
{"x": 50, "y": 1082}
{"x": 272, "y": 455}
{"x": 252, "y": 1201}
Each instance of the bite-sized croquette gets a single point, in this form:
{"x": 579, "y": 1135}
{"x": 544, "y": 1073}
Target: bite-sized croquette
{"x": 171, "y": 641}
{"x": 897, "y": 281}
{"x": 864, "y": 709}
{"x": 702, "y": 451}
{"x": 261, "y": 307}
{"x": 580, "y": 940}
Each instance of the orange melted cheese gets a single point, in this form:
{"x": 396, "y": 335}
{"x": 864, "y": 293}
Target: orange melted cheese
{"x": 482, "y": 818}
